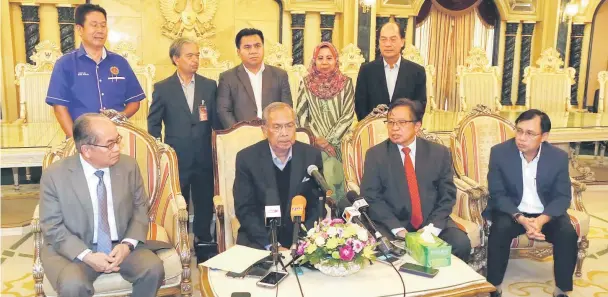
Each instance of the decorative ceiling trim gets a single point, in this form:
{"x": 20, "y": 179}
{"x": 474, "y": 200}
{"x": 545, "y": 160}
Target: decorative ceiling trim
{"x": 315, "y": 5}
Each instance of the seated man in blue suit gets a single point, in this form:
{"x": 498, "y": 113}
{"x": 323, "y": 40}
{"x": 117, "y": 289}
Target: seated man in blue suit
{"x": 530, "y": 192}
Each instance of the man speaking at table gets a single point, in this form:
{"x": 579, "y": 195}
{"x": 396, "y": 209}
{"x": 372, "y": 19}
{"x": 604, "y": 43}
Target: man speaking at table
{"x": 91, "y": 78}
{"x": 409, "y": 181}
{"x": 277, "y": 164}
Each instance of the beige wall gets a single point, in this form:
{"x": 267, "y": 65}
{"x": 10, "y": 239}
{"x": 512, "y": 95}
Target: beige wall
{"x": 599, "y": 51}
{"x": 140, "y": 21}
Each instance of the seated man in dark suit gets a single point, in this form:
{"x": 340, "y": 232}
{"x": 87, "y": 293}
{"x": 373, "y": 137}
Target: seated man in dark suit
{"x": 409, "y": 181}
{"x": 529, "y": 187}
{"x": 277, "y": 164}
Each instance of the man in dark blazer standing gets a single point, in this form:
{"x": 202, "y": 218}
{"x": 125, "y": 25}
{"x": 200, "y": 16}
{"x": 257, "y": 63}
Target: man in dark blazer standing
{"x": 245, "y": 90}
{"x": 275, "y": 165}
{"x": 389, "y": 77}
{"x": 185, "y": 102}
{"x": 409, "y": 181}
{"x": 530, "y": 191}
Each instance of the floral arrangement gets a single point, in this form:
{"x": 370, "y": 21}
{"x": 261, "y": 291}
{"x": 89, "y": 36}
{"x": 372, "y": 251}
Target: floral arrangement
{"x": 335, "y": 243}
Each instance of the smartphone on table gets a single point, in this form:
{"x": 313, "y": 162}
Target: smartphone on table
{"x": 241, "y": 294}
{"x": 272, "y": 279}
{"x": 418, "y": 270}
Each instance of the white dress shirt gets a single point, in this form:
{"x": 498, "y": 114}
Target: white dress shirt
{"x": 530, "y": 201}
{"x": 277, "y": 161}
{"x": 92, "y": 181}
{"x": 391, "y": 77}
{"x": 188, "y": 91}
{"x": 256, "y": 85}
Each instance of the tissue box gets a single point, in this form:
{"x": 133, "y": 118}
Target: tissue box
{"x": 437, "y": 254}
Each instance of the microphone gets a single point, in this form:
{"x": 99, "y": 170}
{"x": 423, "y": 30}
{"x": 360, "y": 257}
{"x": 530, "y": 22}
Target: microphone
{"x": 313, "y": 171}
{"x": 298, "y": 214}
{"x": 272, "y": 210}
{"x": 349, "y": 213}
{"x": 361, "y": 205}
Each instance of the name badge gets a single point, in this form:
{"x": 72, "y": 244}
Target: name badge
{"x": 202, "y": 113}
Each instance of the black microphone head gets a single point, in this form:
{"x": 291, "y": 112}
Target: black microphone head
{"x": 352, "y": 196}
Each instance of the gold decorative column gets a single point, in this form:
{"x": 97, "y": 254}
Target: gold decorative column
{"x": 582, "y": 77}
{"x": 8, "y": 89}
{"x": 49, "y": 23}
{"x": 409, "y": 31}
{"x": 312, "y": 35}
{"x": 18, "y": 32}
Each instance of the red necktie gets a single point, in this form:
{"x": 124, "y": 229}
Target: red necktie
{"x": 412, "y": 184}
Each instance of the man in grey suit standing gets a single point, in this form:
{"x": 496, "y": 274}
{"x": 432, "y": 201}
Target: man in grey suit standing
{"x": 94, "y": 215}
{"x": 185, "y": 102}
{"x": 409, "y": 181}
{"x": 245, "y": 90}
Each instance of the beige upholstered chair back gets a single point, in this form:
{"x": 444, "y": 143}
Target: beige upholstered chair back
{"x": 478, "y": 82}
{"x": 350, "y": 61}
{"x": 548, "y": 85}
{"x": 145, "y": 76}
{"x": 279, "y": 56}
{"x": 602, "y": 78}
{"x": 33, "y": 81}
{"x": 210, "y": 66}
{"x": 226, "y": 145}
{"x": 411, "y": 53}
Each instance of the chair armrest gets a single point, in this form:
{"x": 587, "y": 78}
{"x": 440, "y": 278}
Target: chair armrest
{"x": 471, "y": 200}
{"x": 580, "y": 221}
{"x": 37, "y": 270}
{"x": 220, "y": 225}
{"x": 473, "y": 230}
{"x": 577, "y": 195}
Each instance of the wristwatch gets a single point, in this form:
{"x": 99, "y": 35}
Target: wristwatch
{"x": 130, "y": 245}
{"x": 516, "y": 216}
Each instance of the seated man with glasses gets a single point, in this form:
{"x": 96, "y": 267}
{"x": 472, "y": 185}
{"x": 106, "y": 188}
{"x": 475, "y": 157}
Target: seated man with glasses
{"x": 529, "y": 187}
{"x": 94, "y": 215}
{"x": 272, "y": 172}
{"x": 409, "y": 181}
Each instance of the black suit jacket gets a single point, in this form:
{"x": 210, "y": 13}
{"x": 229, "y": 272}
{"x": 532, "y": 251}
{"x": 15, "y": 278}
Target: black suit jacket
{"x": 505, "y": 179}
{"x": 255, "y": 174}
{"x": 190, "y": 137}
{"x": 372, "y": 90}
{"x": 385, "y": 187}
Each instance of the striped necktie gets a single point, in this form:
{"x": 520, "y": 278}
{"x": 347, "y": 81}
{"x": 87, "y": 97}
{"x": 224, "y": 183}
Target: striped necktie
{"x": 104, "y": 241}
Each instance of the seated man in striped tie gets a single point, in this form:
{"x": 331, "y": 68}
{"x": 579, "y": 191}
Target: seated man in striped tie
{"x": 409, "y": 183}
{"x": 93, "y": 213}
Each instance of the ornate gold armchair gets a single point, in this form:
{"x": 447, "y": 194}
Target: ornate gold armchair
{"x": 548, "y": 85}
{"x": 478, "y": 81}
{"x": 145, "y": 76}
{"x": 371, "y": 131}
{"x": 33, "y": 81}
{"x": 226, "y": 144}
{"x": 411, "y": 53}
{"x": 168, "y": 215}
{"x": 471, "y": 142}
{"x": 210, "y": 66}
{"x": 279, "y": 56}
{"x": 350, "y": 61}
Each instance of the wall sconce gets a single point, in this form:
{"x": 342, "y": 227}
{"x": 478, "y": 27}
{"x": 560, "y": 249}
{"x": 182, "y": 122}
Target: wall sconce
{"x": 570, "y": 11}
{"x": 366, "y": 5}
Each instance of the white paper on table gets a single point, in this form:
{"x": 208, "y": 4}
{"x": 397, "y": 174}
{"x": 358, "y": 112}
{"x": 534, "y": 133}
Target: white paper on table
{"x": 236, "y": 259}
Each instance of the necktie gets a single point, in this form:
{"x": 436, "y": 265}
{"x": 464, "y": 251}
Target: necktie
{"x": 104, "y": 241}
{"x": 412, "y": 184}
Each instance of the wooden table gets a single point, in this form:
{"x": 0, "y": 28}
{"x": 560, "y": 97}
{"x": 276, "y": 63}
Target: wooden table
{"x": 375, "y": 280}
{"x": 24, "y": 145}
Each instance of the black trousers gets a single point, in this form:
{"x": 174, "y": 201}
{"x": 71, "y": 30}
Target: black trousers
{"x": 558, "y": 231}
{"x": 199, "y": 182}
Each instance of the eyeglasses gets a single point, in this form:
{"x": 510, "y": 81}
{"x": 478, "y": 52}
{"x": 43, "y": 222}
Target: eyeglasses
{"x": 276, "y": 128}
{"x": 111, "y": 145}
{"x": 527, "y": 134}
{"x": 399, "y": 123}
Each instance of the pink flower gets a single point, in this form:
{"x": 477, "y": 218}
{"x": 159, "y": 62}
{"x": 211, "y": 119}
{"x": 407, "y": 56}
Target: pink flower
{"x": 325, "y": 236}
{"x": 349, "y": 241}
{"x": 347, "y": 253}
{"x": 326, "y": 221}
{"x": 357, "y": 246}
{"x": 337, "y": 221}
{"x": 301, "y": 248}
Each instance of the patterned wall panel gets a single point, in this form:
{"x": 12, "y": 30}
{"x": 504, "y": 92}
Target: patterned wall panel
{"x": 507, "y": 74}
{"x": 363, "y": 33}
{"x": 66, "y": 28}
{"x": 31, "y": 25}
{"x": 524, "y": 60}
{"x": 298, "y": 22}
{"x": 576, "y": 48}
{"x": 327, "y": 26}
{"x": 380, "y": 21}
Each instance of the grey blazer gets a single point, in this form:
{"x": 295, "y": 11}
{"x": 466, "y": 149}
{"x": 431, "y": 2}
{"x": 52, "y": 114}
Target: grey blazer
{"x": 66, "y": 210}
{"x": 235, "y": 98}
{"x": 385, "y": 186}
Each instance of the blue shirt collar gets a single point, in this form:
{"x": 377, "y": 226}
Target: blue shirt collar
{"x": 277, "y": 162}
{"x": 83, "y": 52}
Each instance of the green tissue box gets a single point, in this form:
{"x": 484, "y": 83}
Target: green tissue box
{"x": 437, "y": 254}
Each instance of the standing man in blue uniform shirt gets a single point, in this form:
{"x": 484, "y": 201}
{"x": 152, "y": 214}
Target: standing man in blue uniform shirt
{"x": 91, "y": 78}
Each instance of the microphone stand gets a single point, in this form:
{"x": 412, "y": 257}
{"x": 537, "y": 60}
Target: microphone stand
{"x": 277, "y": 258}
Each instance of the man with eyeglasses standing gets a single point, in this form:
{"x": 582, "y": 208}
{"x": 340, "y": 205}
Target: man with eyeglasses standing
{"x": 94, "y": 216}
{"x": 91, "y": 78}
{"x": 390, "y": 76}
{"x": 530, "y": 192}
{"x": 272, "y": 172}
{"x": 409, "y": 181}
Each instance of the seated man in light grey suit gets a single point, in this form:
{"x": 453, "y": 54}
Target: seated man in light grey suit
{"x": 94, "y": 215}
{"x": 245, "y": 90}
